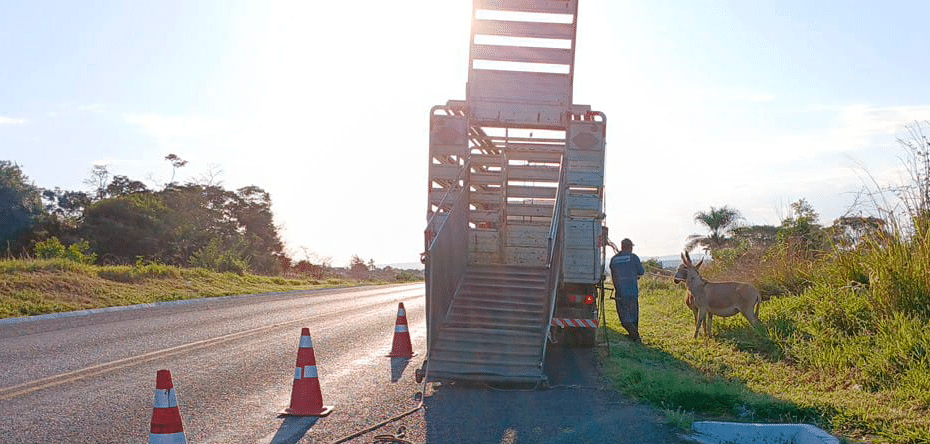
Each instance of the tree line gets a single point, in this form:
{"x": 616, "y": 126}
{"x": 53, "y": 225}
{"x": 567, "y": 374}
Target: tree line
{"x": 123, "y": 221}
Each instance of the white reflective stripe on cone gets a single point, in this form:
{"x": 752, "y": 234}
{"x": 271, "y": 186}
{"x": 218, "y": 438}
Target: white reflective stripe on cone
{"x": 168, "y": 438}
{"x": 165, "y": 398}
{"x": 400, "y": 312}
{"x": 297, "y": 373}
{"x": 400, "y": 329}
{"x": 306, "y": 342}
{"x": 310, "y": 371}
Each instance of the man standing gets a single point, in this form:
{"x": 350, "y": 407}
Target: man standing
{"x": 625, "y": 270}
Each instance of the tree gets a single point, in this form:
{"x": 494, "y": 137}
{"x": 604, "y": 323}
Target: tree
{"x": 358, "y": 269}
{"x": 176, "y": 162}
{"x": 99, "y": 176}
{"x": 20, "y": 207}
{"x": 849, "y": 231}
{"x": 124, "y": 186}
{"x": 122, "y": 229}
{"x": 801, "y": 231}
{"x": 762, "y": 236}
{"x": 719, "y": 221}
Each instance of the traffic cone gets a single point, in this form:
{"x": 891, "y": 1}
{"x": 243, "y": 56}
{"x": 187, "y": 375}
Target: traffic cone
{"x": 306, "y": 399}
{"x": 402, "y": 347}
{"x": 166, "y": 418}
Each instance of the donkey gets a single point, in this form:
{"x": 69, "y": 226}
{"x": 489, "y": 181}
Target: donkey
{"x": 706, "y": 299}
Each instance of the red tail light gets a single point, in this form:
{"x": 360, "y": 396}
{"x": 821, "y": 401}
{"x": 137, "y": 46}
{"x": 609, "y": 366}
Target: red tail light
{"x": 589, "y": 299}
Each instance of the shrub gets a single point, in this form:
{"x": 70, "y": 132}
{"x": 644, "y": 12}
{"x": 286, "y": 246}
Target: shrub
{"x": 52, "y": 248}
{"x": 214, "y": 257}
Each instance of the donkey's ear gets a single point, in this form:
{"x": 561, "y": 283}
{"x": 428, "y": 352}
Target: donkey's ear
{"x": 698, "y": 266}
{"x": 688, "y": 256}
{"x": 683, "y": 259}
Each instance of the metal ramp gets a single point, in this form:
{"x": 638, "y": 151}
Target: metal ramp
{"x": 495, "y": 328}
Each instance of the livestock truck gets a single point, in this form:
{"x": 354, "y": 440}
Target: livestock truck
{"x": 515, "y": 235}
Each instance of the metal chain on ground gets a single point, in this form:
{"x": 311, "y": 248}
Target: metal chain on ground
{"x": 397, "y": 438}
{"x": 392, "y": 419}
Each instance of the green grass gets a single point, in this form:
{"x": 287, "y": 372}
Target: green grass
{"x": 33, "y": 287}
{"x": 821, "y": 357}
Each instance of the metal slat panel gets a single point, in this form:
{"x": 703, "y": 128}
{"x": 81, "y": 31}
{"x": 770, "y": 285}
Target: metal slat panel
{"x": 561, "y": 31}
{"x": 529, "y": 210}
{"x": 437, "y": 195}
{"x": 485, "y": 198}
{"x": 533, "y": 173}
{"x": 485, "y": 178}
{"x": 544, "y": 6}
{"x": 486, "y": 160}
{"x": 533, "y": 155}
{"x": 585, "y": 179}
{"x": 519, "y": 87}
{"x": 527, "y": 239}
{"x": 583, "y": 202}
{"x": 484, "y": 241}
{"x": 531, "y": 192}
{"x": 525, "y": 256}
{"x": 522, "y": 54}
{"x": 483, "y": 216}
{"x": 443, "y": 171}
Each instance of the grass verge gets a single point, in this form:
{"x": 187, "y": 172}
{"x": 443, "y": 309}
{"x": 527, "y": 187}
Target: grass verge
{"x": 33, "y": 287}
{"x": 750, "y": 375}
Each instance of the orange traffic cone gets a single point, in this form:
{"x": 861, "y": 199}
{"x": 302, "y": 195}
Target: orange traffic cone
{"x": 306, "y": 399}
{"x": 166, "y": 418}
{"x": 402, "y": 347}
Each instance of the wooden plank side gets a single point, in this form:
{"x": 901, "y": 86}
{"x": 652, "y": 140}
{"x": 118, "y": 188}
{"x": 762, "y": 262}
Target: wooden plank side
{"x": 585, "y": 156}
{"x": 437, "y": 194}
{"x": 532, "y": 239}
{"x": 486, "y": 160}
{"x": 519, "y": 87}
{"x": 525, "y": 256}
{"x": 583, "y": 202}
{"x": 543, "y": 6}
{"x": 484, "y": 241}
{"x": 499, "y": 111}
{"x": 439, "y": 171}
{"x": 483, "y": 257}
{"x": 486, "y": 178}
{"x": 483, "y": 216}
{"x": 585, "y": 178}
{"x": 483, "y": 197}
{"x": 524, "y": 54}
{"x": 544, "y": 153}
{"x": 537, "y": 30}
{"x": 580, "y": 266}
{"x": 527, "y": 192}
{"x": 535, "y": 210}
{"x": 533, "y": 173}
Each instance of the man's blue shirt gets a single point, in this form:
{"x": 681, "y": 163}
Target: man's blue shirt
{"x": 625, "y": 265}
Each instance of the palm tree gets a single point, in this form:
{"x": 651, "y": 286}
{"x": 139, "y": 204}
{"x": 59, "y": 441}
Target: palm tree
{"x": 718, "y": 221}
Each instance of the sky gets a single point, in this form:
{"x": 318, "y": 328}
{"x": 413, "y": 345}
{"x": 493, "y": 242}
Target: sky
{"x": 749, "y": 104}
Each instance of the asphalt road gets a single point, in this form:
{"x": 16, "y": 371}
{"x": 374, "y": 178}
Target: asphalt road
{"x": 90, "y": 378}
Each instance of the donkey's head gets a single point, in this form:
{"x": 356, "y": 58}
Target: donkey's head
{"x": 686, "y": 267}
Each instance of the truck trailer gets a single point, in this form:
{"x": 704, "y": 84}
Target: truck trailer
{"x": 515, "y": 235}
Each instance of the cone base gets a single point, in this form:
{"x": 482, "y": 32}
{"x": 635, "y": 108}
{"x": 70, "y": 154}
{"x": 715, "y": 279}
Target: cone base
{"x": 322, "y": 411}
{"x": 399, "y": 355}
